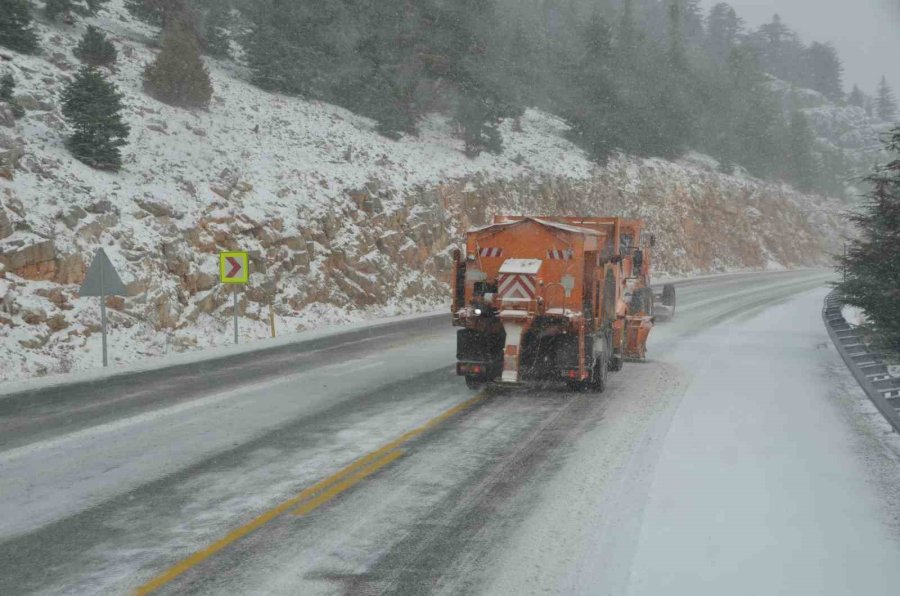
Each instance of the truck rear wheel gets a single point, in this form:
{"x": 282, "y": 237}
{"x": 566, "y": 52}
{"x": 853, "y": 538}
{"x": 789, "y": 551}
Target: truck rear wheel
{"x": 668, "y": 296}
{"x": 597, "y": 382}
{"x": 474, "y": 382}
{"x": 601, "y": 375}
{"x": 615, "y": 363}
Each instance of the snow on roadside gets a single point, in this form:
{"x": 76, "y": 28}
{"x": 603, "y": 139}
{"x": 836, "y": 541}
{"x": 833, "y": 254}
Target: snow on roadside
{"x": 199, "y": 356}
{"x": 788, "y": 465}
{"x": 853, "y": 315}
{"x": 757, "y": 483}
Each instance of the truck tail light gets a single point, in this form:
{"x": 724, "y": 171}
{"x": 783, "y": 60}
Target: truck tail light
{"x": 464, "y": 368}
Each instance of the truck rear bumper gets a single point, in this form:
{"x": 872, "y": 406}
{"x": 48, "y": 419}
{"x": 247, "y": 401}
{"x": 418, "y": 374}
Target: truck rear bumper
{"x": 487, "y": 370}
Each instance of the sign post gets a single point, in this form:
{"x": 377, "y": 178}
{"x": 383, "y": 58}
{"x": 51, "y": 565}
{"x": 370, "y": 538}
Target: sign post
{"x": 102, "y": 280}
{"x": 234, "y": 268}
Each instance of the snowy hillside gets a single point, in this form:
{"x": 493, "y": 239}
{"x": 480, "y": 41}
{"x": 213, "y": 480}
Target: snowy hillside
{"x": 844, "y": 129}
{"x": 341, "y": 223}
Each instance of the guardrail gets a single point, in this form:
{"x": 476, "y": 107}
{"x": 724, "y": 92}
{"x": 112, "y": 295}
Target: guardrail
{"x": 868, "y": 367}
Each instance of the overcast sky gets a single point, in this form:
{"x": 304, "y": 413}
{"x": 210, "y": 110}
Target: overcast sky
{"x": 865, "y": 32}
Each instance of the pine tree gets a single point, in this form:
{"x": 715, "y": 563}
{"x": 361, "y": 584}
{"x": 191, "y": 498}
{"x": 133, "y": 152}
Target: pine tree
{"x": 723, "y": 28}
{"x": 801, "y": 160}
{"x": 834, "y": 172}
{"x": 885, "y": 104}
{"x": 178, "y": 76}
{"x": 142, "y": 10}
{"x": 755, "y": 119}
{"x": 95, "y": 49}
{"x": 780, "y": 50}
{"x": 692, "y": 17}
{"x": 677, "y": 51}
{"x": 387, "y": 85}
{"x": 92, "y": 107}
{"x": 590, "y": 101}
{"x": 856, "y": 98}
{"x": 54, "y": 8}
{"x": 7, "y": 87}
{"x": 216, "y": 31}
{"x": 159, "y": 13}
{"x": 823, "y": 71}
{"x": 872, "y": 264}
{"x": 7, "y": 94}
{"x": 302, "y": 47}
{"x": 94, "y": 5}
{"x": 458, "y": 52}
{"x": 628, "y": 36}
{"x": 15, "y": 26}
{"x": 479, "y": 113}
{"x": 673, "y": 104}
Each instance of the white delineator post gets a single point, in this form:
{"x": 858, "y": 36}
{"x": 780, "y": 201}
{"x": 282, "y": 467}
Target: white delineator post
{"x": 103, "y": 318}
{"x": 235, "y": 315}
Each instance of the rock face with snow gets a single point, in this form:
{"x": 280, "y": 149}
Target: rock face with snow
{"x": 340, "y": 223}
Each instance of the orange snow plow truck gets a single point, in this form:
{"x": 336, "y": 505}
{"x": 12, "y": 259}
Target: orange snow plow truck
{"x": 553, "y": 298}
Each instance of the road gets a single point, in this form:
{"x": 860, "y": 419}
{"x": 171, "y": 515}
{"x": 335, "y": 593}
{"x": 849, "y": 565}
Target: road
{"x": 732, "y": 461}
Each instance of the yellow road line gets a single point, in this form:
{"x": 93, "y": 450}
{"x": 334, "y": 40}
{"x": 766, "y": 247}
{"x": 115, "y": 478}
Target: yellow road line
{"x": 340, "y": 487}
{"x": 238, "y": 533}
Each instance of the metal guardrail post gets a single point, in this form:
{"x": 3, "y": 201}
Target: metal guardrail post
{"x": 835, "y": 323}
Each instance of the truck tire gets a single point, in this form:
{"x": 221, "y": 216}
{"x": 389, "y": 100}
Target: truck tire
{"x": 668, "y": 296}
{"x": 474, "y": 382}
{"x": 600, "y": 375}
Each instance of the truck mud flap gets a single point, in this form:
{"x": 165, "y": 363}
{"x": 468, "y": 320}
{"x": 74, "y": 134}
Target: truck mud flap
{"x": 567, "y": 353}
{"x": 474, "y": 346}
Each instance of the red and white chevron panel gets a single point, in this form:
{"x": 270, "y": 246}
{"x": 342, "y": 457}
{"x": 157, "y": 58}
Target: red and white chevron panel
{"x": 560, "y": 255}
{"x": 490, "y": 252}
{"x": 516, "y": 285}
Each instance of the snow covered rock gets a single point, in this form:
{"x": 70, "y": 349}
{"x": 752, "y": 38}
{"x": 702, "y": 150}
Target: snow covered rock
{"x": 7, "y": 118}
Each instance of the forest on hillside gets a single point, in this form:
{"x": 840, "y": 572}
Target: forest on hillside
{"x": 645, "y": 77}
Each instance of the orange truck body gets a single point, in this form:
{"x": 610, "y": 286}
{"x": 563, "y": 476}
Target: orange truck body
{"x": 544, "y": 298}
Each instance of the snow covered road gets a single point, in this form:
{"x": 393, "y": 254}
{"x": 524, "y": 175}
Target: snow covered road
{"x": 762, "y": 470}
{"x": 767, "y": 473}
{"x": 730, "y": 462}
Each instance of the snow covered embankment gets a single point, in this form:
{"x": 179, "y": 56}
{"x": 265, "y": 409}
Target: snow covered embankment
{"x": 341, "y": 223}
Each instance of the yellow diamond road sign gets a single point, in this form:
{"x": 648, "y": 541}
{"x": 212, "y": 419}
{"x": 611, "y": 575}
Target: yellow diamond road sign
{"x": 234, "y": 267}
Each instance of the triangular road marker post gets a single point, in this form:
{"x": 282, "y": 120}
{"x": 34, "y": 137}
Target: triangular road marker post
{"x": 102, "y": 280}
